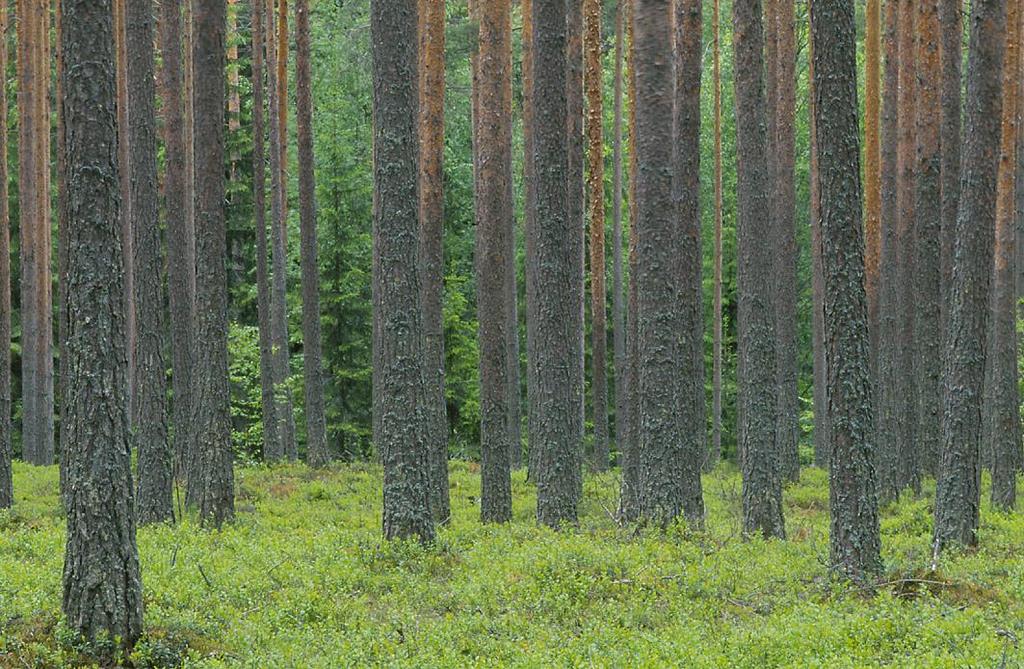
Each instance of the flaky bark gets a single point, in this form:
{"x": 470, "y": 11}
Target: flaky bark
{"x": 822, "y": 438}
{"x": 854, "y": 539}
{"x": 1006, "y": 431}
{"x": 951, "y": 56}
{"x": 399, "y": 364}
{"x": 102, "y": 590}
{"x": 595, "y": 190}
{"x": 957, "y": 497}
{"x": 872, "y": 165}
{"x": 577, "y": 213}
{"x": 125, "y": 158}
{"x": 155, "y": 464}
{"x": 432, "y": 92}
{"x": 762, "y": 491}
{"x": 211, "y": 484}
{"x": 618, "y": 285}
{"x": 558, "y": 258}
{"x": 715, "y": 454}
{"x": 6, "y": 428}
{"x": 494, "y": 226}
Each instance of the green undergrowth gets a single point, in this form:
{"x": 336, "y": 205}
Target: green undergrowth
{"x": 302, "y": 579}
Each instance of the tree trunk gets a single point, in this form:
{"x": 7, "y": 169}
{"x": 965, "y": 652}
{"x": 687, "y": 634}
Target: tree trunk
{"x": 211, "y": 485}
{"x": 180, "y": 233}
{"x": 155, "y": 464}
{"x": 872, "y": 169}
{"x": 715, "y": 454}
{"x": 271, "y": 438}
{"x": 908, "y": 473}
{"x": 595, "y": 187}
{"x": 6, "y": 427}
{"x": 887, "y": 369}
{"x": 432, "y": 91}
{"x": 951, "y": 57}
{"x": 494, "y": 226}
{"x": 822, "y": 438}
{"x": 316, "y": 423}
{"x": 618, "y": 286}
{"x": 853, "y": 502}
{"x": 277, "y": 58}
{"x": 928, "y": 251}
{"x": 399, "y": 364}
{"x": 102, "y": 589}
{"x": 34, "y": 224}
{"x": 762, "y": 490}
{"x": 957, "y": 498}
{"x": 558, "y": 258}
{"x": 577, "y": 224}
{"x": 784, "y": 221}
{"x": 126, "y": 172}
{"x": 530, "y": 227}
{"x": 1005, "y": 409}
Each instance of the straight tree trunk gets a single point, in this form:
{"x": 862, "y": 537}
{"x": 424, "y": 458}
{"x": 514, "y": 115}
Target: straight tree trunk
{"x": 822, "y": 437}
{"x": 577, "y": 237}
{"x": 784, "y": 220}
{"x": 928, "y": 249}
{"x": 595, "y": 188}
{"x": 277, "y": 58}
{"x": 530, "y": 228}
{"x": 234, "y": 95}
{"x": 618, "y": 285}
{"x": 6, "y": 428}
{"x": 1006, "y": 432}
{"x": 887, "y": 366}
{"x": 155, "y": 463}
{"x": 908, "y": 461}
{"x": 873, "y": 167}
{"x": 762, "y": 489}
{"x": 432, "y": 92}
{"x": 399, "y": 365}
{"x": 951, "y": 57}
{"x": 494, "y": 227}
{"x": 271, "y": 438}
{"x": 558, "y": 258}
{"x": 854, "y": 535}
{"x": 715, "y": 455}
{"x": 34, "y": 224}
{"x": 629, "y": 502}
{"x": 316, "y": 423}
{"x": 102, "y": 588}
{"x": 180, "y": 233}
{"x": 957, "y": 497}
{"x": 211, "y": 485}
{"x": 124, "y": 155}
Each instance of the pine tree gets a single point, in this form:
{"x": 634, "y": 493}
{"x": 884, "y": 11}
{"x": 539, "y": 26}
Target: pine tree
{"x": 618, "y": 280}
{"x": 872, "y": 166}
{"x": 6, "y": 428}
{"x": 951, "y": 57}
{"x": 716, "y": 400}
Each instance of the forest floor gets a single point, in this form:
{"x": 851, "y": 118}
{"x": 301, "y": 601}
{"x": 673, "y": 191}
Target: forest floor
{"x": 302, "y": 579}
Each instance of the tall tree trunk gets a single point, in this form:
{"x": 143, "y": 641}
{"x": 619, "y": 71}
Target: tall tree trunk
{"x": 399, "y": 365}
{"x": 316, "y": 423}
{"x": 629, "y": 502}
{"x": 271, "y": 438}
{"x": 872, "y": 168}
{"x": 277, "y": 58}
{"x": 155, "y": 464}
{"x": 577, "y": 224}
{"x": 762, "y": 490}
{"x": 957, "y": 498}
{"x": 855, "y": 543}
{"x": 822, "y": 436}
{"x": 595, "y": 187}
{"x": 102, "y": 589}
{"x": 211, "y": 484}
{"x": 124, "y": 155}
{"x": 927, "y": 255}
{"x": 618, "y": 285}
{"x": 432, "y": 91}
{"x": 951, "y": 57}
{"x": 530, "y": 243}
{"x": 34, "y": 224}
{"x": 715, "y": 454}
{"x": 494, "y": 226}
{"x": 1006, "y": 432}
{"x": 234, "y": 95}
{"x": 180, "y": 233}
{"x": 887, "y": 366}
{"x": 784, "y": 221}
{"x": 908, "y": 473}
{"x": 558, "y": 259}
{"x": 6, "y": 431}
